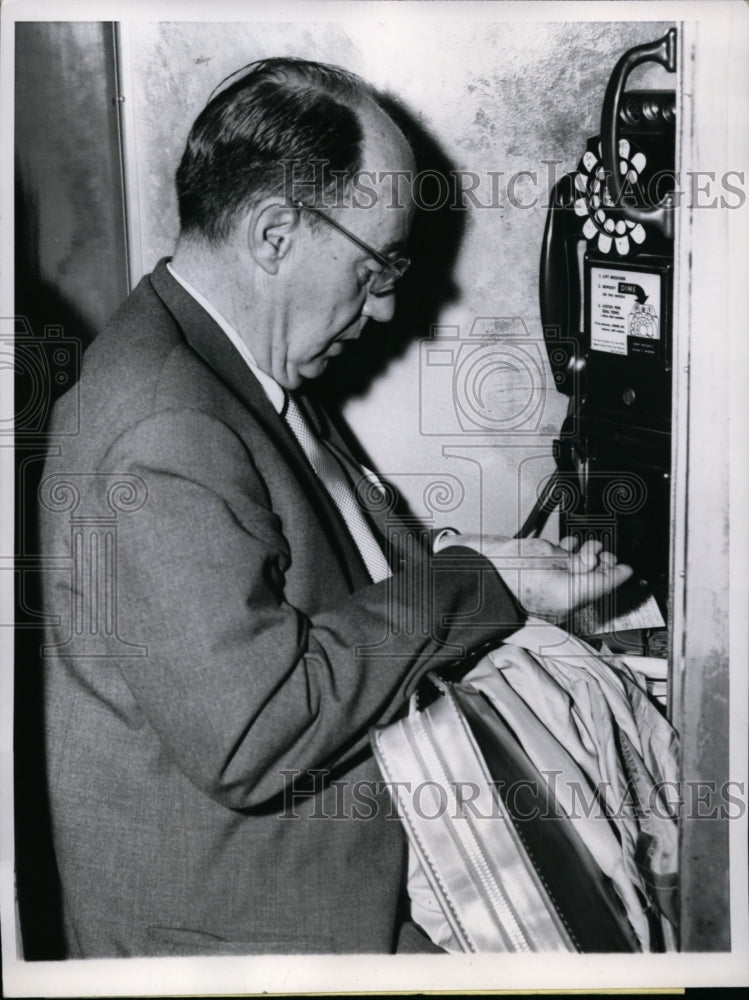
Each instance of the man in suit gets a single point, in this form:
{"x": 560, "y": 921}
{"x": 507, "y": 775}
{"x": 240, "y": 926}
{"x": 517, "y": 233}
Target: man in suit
{"x": 230, "y": 624}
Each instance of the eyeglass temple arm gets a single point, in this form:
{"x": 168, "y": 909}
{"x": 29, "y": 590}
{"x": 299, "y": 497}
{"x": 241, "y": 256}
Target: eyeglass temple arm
{"x": 345, "y": 232}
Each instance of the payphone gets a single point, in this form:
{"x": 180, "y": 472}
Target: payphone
{"x": 605, "y": 295}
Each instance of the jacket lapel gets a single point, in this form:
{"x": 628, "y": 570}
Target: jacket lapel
{"x": 215, "y": 349}
{"x": 390, "y": 524}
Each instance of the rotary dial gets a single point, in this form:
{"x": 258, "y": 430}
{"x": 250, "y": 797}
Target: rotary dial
{"x": 593, "y": 201}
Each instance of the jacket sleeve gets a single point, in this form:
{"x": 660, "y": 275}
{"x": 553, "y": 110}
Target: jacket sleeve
{"x": 240, "y": 686}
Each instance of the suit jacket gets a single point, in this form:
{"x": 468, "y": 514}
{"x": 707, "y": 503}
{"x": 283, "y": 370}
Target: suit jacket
{"x": 218, "y": 657}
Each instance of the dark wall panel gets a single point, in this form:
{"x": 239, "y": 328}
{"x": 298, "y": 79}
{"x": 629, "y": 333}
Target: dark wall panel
{"x": 70, "y": 217}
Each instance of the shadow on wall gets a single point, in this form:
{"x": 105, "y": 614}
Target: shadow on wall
{"x": 50, "y": 335}
{"x": 424, "y": 291}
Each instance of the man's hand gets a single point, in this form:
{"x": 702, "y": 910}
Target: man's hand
{"x": 548, "y": 580}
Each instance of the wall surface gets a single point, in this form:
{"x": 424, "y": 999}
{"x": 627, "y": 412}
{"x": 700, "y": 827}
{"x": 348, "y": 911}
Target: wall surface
{"x": 493, "y": 99}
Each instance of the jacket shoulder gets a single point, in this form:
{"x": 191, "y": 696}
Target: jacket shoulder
{"x": 139, "y": 364}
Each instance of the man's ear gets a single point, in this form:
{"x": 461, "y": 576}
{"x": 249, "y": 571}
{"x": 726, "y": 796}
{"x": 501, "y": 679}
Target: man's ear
{"x": 271, "y": 231}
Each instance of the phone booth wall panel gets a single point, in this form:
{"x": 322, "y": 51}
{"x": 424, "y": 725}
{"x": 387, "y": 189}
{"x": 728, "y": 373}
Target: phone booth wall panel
{"x": 711, "y": 537}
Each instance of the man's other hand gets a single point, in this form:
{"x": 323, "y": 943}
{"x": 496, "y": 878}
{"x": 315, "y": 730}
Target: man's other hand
{"x": 549, "y": 580}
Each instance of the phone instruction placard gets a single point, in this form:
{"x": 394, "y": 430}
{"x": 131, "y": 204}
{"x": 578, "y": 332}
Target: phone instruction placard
{"x": 625, "y": 311}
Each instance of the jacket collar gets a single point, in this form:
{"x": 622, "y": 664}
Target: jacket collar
{"x": 210, "y": 342}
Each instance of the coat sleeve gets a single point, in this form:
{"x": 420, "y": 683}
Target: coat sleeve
{"x": 242, "y": 688}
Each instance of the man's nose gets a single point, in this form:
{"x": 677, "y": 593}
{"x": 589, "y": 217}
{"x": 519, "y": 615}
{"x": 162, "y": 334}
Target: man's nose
{"x": 380, "y": 308}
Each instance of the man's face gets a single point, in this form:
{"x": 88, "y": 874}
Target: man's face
{"x": 329, "y": 297}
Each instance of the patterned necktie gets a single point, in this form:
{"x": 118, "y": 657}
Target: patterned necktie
{"x": 332, "y": 475}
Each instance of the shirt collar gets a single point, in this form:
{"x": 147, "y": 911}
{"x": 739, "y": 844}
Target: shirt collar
{"x": 272, "y": 389}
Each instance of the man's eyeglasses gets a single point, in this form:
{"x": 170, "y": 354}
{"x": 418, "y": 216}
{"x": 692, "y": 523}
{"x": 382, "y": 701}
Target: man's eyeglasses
{"x": 381, "y": 282}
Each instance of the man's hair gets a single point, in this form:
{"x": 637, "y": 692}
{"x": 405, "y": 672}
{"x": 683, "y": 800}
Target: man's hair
{"x": 287, "y": 126}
